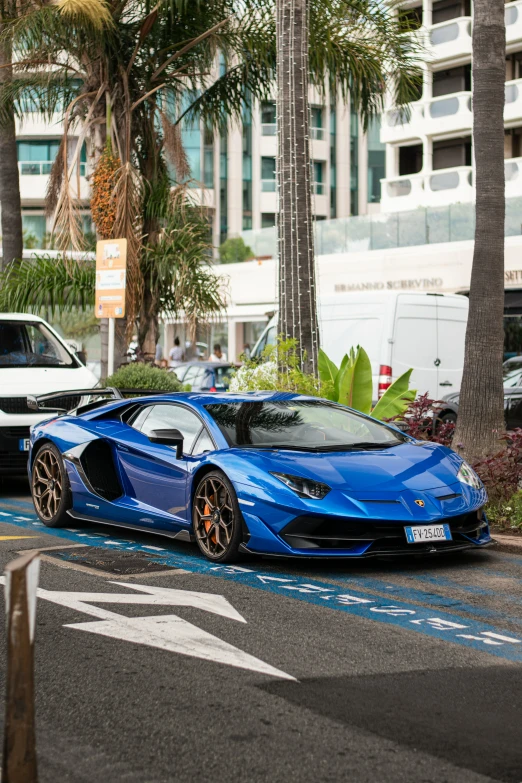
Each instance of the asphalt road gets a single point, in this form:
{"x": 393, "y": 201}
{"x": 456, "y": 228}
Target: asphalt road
{"x": 278, "y": 670}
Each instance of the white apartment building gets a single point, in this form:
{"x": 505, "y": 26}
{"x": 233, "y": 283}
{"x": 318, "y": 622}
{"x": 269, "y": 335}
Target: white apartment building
{"x": 233, "y": 172}
{"x": 429, "y": 153}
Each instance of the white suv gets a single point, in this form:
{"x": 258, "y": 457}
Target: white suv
{"x": 33, "y": 360}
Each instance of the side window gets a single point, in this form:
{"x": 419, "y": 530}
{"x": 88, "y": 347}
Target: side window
{"x": 203, "y": 444}
{"x": 173, "y": 417}
{"x": 137, "y": 422}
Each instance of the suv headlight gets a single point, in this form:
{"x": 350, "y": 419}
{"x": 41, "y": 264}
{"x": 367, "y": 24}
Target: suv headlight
{"x": 305, "y": 488}
{"x": 468, "y": 476}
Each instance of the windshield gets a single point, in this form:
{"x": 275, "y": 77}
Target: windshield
{"x": 513, "y": 378}
{"x": 308, "y": 425}
{"x": 510, "y": 367}
{"x": 31, "y": 344}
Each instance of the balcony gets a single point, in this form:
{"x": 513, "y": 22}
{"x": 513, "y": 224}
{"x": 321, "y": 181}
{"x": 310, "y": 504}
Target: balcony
{"x": 513, "y": 17}
{"x": 268, "y": 129}
{"x": 34, "y": 178}
{"x": 513, "y": 105}
{"x": 450, "y": 40}
{"x": 268, "y": 185}
{"x": 432, "y": 189}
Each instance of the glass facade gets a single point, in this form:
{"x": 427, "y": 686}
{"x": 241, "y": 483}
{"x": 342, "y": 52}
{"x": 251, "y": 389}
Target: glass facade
{"x": 208, "y": 157}
{"x": 247, "y": 166}
{"x": 376, "y": 161}
{"x": 223, "y": 198}
{"x": 354, "y": 163}
{"x": 268, "y": 175}
{"x": 37, "y": 156}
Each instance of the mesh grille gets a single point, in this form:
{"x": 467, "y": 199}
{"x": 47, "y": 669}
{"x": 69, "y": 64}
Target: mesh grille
{"x": 19, "y": 404}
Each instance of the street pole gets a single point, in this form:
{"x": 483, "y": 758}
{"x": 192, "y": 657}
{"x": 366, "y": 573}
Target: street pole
{"x": 19, "y": 759}
{"x": 110, "y": 359}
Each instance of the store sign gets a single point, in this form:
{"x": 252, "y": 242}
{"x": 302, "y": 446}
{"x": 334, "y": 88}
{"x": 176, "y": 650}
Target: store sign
{"x": 513, "y": 276}
{"x": 111, "y": 278}
{"x": 423, "y": 283}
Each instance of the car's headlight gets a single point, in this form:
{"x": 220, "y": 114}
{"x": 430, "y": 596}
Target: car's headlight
{"x": 305, "y": 488}
{"x": 468, "y": 476}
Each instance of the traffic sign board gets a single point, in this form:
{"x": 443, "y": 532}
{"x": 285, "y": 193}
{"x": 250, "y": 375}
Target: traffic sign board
{"x": 111, "y": 274}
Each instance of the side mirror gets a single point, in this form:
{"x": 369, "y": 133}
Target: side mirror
{"x": 82, "y": 357}
{"x": 168, "y": 438}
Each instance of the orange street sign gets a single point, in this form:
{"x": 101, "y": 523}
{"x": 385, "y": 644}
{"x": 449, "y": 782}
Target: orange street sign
{"x": 111, "y": 273}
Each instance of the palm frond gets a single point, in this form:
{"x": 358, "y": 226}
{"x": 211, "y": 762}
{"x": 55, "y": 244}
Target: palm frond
{"x": 86, "y": 13}
{"x": 173, "y": 146}
{"x": 48, "y": 282}
{"x": 127, "y": 195}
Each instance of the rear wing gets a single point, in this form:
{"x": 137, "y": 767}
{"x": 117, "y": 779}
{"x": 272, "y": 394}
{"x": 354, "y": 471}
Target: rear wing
{"x": 37, "y": 403}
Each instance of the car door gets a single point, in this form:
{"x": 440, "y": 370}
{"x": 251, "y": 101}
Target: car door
{"x": 157, "y": 478}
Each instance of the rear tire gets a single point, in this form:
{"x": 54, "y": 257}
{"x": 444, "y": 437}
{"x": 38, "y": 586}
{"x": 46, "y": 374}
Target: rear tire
{"x": 50, "y": 487}
{"x": 216, "y": 518}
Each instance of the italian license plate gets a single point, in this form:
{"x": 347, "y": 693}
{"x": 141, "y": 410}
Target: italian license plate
{"x": 420, "y": 533}
{"x": 24, "y": 444}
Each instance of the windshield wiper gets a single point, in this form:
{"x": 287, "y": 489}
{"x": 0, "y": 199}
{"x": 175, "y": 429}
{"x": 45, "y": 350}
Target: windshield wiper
{"x": 362, "y": 446}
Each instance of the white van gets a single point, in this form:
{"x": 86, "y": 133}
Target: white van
{"x": 398, "y": 331}
{"x": 33, "y": 360}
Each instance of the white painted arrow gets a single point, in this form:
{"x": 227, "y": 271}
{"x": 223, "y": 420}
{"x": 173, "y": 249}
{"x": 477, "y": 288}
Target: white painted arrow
{"x": 166, "y": 632}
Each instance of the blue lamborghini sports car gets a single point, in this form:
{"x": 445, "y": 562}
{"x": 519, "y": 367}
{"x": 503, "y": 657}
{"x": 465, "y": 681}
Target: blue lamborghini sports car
{"x": 265, "y": 472}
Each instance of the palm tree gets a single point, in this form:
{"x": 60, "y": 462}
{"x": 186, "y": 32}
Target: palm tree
{"x": 12, "y": 236}
{"x": 481, "y": 405}
{"x": 376, "y": 56}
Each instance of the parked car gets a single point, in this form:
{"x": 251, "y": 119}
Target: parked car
{"x": 255, "y": 473}
{"x": 33, "y": 359}
{"x": 512, "y": 402}
{"x": 512, "y": 364}
{"x": 398, "y": 331}
{"x": 205, "y": 376}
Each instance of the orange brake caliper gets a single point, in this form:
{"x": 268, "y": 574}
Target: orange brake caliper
{"x": 207, "y": 523}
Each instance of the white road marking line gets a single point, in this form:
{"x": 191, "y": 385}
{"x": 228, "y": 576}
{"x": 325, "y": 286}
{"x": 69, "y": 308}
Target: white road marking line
{"x": 502, "y": 638}
{"x": 155, "y": 548}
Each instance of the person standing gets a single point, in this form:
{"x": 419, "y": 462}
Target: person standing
{"x": 175, "y": 354}
{"x": 217, "y": 355}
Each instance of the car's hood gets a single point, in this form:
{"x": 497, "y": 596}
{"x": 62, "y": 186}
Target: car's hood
{"x": 412, "y": 466}
{"x": 20, "y": 381}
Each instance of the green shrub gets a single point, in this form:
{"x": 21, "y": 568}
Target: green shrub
{"x": 233, "y": 250}
{"x": 142, "y": 376}
{"x": 506, "y": 515}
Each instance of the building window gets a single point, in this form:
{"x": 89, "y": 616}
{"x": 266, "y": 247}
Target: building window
{"x": 268, "y": 119}
{"x": 317, "y": 130}
{"x": 268, "y": 175}
{"x": 208, "y": 157}
{"x": 223, "y": 174}
{"x": 34, "y": 230}
{"x": 376, "y": 161}
{"x": 318, "y": 177}
{"x": 247, "y": 166}
{"x": 354, "y": 163}
{"x": 36, "y": 157}
{"x": 268, "y": 219}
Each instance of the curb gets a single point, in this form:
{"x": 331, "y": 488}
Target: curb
{"x": 508, "y": 543}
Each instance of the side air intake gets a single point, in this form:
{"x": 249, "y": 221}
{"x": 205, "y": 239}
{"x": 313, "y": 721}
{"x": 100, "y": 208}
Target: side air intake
{"x": 98, "y": 465}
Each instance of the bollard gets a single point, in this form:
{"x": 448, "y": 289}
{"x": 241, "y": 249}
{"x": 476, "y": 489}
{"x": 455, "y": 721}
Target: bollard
{"x": 19, "y": 757}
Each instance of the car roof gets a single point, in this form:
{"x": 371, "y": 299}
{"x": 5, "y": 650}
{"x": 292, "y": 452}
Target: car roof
{"x": 20, "y": 317}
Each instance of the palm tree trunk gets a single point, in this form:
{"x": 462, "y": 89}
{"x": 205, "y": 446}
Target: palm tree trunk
{"x": 297, "y": 291}
{"x": 12, "y": 237}
{"x": 481, "y": 405}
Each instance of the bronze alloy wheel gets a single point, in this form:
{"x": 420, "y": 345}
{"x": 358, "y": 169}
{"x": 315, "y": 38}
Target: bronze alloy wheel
{"x": 214, "y": 518}
{"x": 47, "y": 484}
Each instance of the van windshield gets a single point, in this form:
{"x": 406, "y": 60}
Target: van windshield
{"x": 31, "y": 344}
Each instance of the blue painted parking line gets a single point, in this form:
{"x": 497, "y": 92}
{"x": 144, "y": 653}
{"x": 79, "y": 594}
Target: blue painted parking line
{"x": 432, "y": 622}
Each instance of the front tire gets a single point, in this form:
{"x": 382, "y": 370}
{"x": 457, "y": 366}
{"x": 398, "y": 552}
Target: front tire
{"x": 50, "y": 487}
{"x": 216, "y": 518}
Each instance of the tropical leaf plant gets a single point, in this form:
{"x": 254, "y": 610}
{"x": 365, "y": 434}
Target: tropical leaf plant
{"x": 353, "y": 386}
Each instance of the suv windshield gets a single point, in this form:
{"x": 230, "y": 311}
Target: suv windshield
{"x": 309, "y": 425}
{"x": 31, "y": 344}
